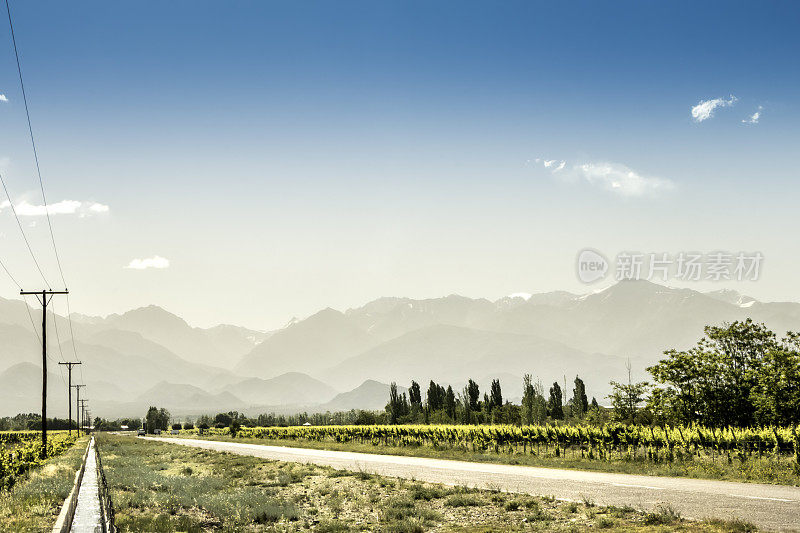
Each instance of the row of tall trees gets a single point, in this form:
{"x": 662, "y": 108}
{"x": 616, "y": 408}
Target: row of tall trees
{"x": 444, "y": 405}
{"x": 739, "y": 374}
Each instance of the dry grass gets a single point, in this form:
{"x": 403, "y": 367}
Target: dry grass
{"x": 162, "y": 487}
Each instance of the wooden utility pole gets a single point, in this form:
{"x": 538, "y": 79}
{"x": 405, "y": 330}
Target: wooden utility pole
{"x": 44, "y": 301}
{"x": 69, "y": 390}
{"x": 78, "y": 407}
{"x": 83, "y": 415}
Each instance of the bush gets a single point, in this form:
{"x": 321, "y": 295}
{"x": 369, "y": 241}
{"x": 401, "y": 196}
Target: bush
{"x": 176, "y": 426}
{"x": 188, "y": 425}
{"x": 202, "y": 425}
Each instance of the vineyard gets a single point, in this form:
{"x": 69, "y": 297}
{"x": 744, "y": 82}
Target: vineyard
{"x": 608, "y": 442}
{"x": 20, "y": 451}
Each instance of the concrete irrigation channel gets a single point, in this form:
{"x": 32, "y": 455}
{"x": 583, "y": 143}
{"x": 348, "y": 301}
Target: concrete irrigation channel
{"x": 87, "y": 509}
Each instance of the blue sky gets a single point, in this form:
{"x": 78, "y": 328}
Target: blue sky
{"x": 289, "y": 156}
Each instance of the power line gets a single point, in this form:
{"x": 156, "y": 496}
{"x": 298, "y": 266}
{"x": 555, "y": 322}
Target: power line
{"x": 71, "y": 332}
{"x": 24, "y": 236}
{"x": 30, "y": 316}
{"x": 44, "y": 196}
{"x": 58, "y": 339}
{"x": 25, "y": 300}
{"x": 33, "y": 144}
{"x": 10, "y": 276}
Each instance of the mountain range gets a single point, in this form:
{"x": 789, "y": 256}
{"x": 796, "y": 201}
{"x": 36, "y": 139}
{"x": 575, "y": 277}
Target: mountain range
{"x": 336, "y": 360}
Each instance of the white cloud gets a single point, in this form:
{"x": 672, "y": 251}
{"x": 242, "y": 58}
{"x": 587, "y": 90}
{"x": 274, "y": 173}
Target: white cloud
{"x": 98, "y": 208}
{"x": 754, "y": 118}
{"x": 622, "y": 180}
{"x": 3, "y": 98}
{"x": 64, "y": 207}
{"x": 552, "y": 164}
{"x": 705, "y": 109}
{"x": 613, "y": 177}
{"x": 151, "y": 262}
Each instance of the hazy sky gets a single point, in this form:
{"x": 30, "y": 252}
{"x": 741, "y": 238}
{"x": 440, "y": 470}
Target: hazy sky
{"x": 281, "y": 157}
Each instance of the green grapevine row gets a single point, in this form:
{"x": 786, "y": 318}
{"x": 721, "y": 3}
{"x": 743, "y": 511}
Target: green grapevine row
{"x": 22, "y": 452}
{"x": 608, "y": 441}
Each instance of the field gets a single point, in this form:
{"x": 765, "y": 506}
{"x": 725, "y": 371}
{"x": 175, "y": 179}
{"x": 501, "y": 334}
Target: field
{"x": 767, "y": 455}
{"x": 34, "y": 501}
{"x": 21, "y": 451}
{"x": 158, "y": 486}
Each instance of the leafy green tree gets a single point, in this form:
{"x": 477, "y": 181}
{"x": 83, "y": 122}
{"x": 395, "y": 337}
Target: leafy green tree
{"x": 528, "y": 399}
{"x": 397, "y": 406}
{"x": 718, "y": 381}
{"x": 776, "y": 394}
{"x": 474, "y": 394}
{"x": 415, "y": 395}
{"x": 626, "y": 399}
{"x": 157, "y": 419}
{"x": 224, "y": 418}
{"x": 555, "y": 408}
{"x": 580, "y": 403}
{"x": 496, "y": 394}
{"x": 450, "y": 403}
{"x": 435, "y": 397}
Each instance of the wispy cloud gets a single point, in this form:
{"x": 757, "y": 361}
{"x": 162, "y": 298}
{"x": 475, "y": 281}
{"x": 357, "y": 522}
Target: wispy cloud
{"x": 705, "y": 109}
{"x": 552, "y": 164}
{"x": 151, "y": 262}
{"x": 3, "y": 98}
{"x": 614, "y": 177}
{"x": 64, "y": 207}
{"x": 754, "y": 118}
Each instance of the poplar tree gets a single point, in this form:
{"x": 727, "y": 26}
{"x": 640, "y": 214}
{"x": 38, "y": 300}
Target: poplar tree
{"x": 555, "y": 406}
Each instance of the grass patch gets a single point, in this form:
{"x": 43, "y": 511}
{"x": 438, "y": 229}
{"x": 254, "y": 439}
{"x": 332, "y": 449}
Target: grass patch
{"x": 734, "y": 526}
{"x": 463, "y": 500}
{"x": 663, "y": 515}
{"x": 35, "y": 500}
{"x": 155, "y": 491}
{"x": 427, "y": 492}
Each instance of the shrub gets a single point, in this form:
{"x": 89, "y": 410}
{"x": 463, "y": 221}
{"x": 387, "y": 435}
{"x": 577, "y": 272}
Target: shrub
{"x": 188, "y": 425}
{"x": 462, "y": 500}
{"x": 663, "y": 515}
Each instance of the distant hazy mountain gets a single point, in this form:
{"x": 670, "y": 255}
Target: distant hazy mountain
{"x": 551, "y": 335}
{"x": 291, "y": 388}
{"x": 21, "y": 391}
{"x": 454, "y": 354}
{"x": 220, "y": 346}
{"x": 309, "y": 346}
{"x": 388, "y": 318}
{"x": 168, "y": 365}
{"x": 183, "y": 397}
{"x": 636, "y": 319}
{"x": 370, "y": 395}
{"x": 18, "y": 345}
{"x": 732, "y": 297}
